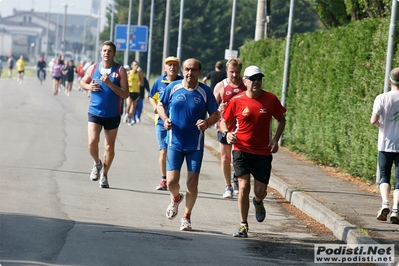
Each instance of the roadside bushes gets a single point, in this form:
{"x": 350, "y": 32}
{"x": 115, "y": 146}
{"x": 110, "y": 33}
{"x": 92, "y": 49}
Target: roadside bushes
{"x": 334, "y": 77}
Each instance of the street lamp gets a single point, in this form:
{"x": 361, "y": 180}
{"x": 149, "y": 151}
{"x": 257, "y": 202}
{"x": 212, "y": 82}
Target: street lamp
{"x": 63, "y": 43}
{"x": 84, "y": 32}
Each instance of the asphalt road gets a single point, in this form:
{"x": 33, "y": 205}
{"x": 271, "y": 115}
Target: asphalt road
{"x": 51, "y": 213}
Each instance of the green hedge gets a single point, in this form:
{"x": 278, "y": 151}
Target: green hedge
{"x": 334, "y": 77}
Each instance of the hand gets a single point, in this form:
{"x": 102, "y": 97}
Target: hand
{"x": 202, "y": 124}
{"x": 231, "y": 138}
{"x": 273, "y": 146}
{"x": 105, "y": 79}
{"x": 94, "y": 86}
{"x": 221, "y": 107}
{"x": 167, "y": 123}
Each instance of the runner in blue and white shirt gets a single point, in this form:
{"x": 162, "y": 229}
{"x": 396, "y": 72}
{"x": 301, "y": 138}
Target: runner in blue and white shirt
{"x": 183, "y": 108}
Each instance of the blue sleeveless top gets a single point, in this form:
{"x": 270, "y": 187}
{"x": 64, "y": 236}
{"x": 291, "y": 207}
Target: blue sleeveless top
{"x": 106, "y": 103}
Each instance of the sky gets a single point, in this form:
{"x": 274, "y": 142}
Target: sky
{"x": 79, "y": 7}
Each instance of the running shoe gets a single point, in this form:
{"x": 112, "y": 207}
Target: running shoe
{"x": 383, "y": 213}
{"x": 162, "y": 185}
{"x": 126, "y": 118}
{"x": 242, "y": 231}
{"x": 173, "y": 208}
{"x": 95, "y": 171}
{"x": 228, "y": 193}
{"x": 185, "y": 224}
{"x": 234, "y": 181}
{"x": 104, "y": 181}
{"x": 260, "y": 212}
{"x": 394, "y": 217}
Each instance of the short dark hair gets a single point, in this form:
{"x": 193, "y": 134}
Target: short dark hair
{"x": 109, "y": 43}
{"x": 219, "y": 65}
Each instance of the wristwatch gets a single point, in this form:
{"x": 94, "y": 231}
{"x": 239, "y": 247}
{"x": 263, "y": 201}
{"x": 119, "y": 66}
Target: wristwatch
{"x": 224, "y": 134}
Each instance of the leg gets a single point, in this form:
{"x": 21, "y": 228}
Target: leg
{"x": 94, "y": 131}
{"x": 162, "y": 161}
{"x": 173, "y": 179}
{"x": 243, "y": 196}
{"x": 132, "y": 109}
{"x": 225, "y": 158}
{"x": 260, "y": 190}
{"x": 109, "y": 145}
{"x": 395, "y": 208}
{"x": 128, "y": 107}
{"x": 161, "y": 134}
{"x": 139, "y": 109}
{"x": 192, "y": 191}
{"x": 385, "y": 164}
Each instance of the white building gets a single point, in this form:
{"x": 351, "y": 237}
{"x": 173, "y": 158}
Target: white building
{"x": 34, "y": 34}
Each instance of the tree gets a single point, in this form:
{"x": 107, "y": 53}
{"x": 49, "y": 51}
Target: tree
{"x": 206, "y": 27}
{"x": 336, "y": 13}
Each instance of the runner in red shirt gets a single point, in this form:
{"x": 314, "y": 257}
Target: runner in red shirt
{"x": 252, "y": 112}
{"x": 81, "y": 73}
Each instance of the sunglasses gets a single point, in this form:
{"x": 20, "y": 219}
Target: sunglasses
{"x": 256, "y": 77}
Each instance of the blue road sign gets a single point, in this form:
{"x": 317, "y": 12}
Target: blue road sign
{"x": 137, "y": 39}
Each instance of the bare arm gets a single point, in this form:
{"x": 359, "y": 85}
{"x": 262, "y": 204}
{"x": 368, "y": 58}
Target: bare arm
{"x": 375, "y": 120}
{"x": 167, "y": 123}
{"x": 279, "y": 131}
{"x": 230, "y": 136}
{"x": 153, "y": 104}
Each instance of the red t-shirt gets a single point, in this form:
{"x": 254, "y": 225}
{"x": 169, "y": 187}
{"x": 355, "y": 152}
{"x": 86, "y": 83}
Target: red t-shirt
{"x": 253, "y": 118}
{"x": 81, "y": 73}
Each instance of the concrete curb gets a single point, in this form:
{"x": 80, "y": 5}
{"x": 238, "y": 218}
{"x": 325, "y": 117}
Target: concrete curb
{"x": 341, "y": 229}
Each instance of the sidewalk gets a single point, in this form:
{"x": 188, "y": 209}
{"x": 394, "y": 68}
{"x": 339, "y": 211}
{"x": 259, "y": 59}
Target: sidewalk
{"x": 349, "y": 212}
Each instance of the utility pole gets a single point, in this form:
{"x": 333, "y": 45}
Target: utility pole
{"x": 139, "y": 22}
{"x": 166, "y": 37}
{"x": 111, "y": 32}
{"x": 64, "y": 28}
{"x": 260, "y": 20}
{"x": 150, "y": 41}
{"x": 126, "y": 59}
{"x": 98, "y": 30}
{"x": 233, "y": 17}
{"x": 178, "y": 54}
{"x": 47, "y": 30}
{"x": 287, "y": 56}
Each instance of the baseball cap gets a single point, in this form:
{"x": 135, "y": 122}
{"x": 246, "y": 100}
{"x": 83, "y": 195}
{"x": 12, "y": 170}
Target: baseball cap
{"x": 172, "y": 59}
{"x": 252, "y": 71}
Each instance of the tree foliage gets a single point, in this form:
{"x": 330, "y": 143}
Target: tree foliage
{"x": 335, "y": 13}
{"x": 206, "y": 27}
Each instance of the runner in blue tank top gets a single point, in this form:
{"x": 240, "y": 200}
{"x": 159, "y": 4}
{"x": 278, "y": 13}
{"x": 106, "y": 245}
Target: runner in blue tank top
{"x": 183, "y": 108}
{"x": 107, "y": 82}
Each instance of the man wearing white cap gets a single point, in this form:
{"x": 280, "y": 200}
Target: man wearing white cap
{"x": 171, "y": 68}
{"x": 252, "y": 112}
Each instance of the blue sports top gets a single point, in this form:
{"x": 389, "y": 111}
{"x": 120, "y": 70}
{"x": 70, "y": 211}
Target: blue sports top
{"x": 158, "y": 88}
{"x": 184, "y": 107}
{"x": 105, "y": 102}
